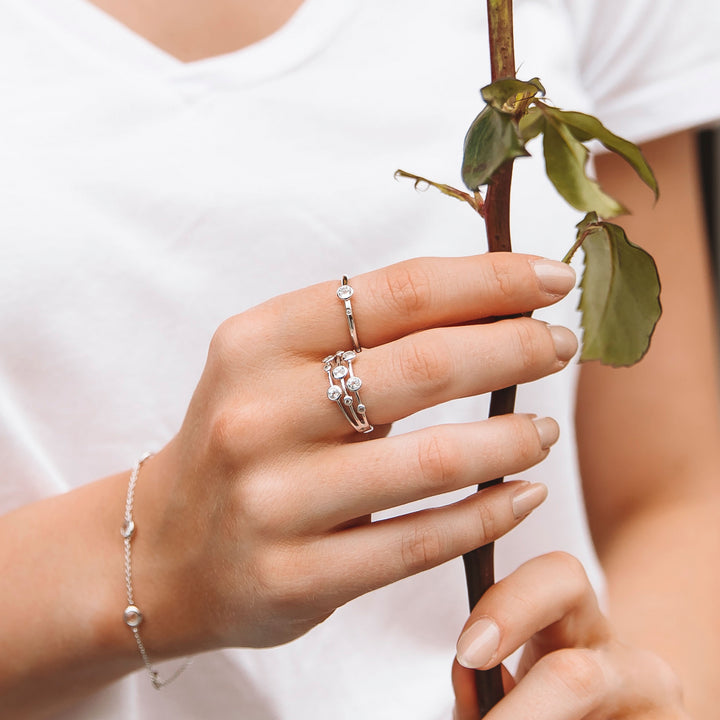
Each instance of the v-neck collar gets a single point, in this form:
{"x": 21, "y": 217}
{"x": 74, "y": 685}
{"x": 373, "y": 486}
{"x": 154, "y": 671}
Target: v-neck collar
{"x": 112, "y": 43}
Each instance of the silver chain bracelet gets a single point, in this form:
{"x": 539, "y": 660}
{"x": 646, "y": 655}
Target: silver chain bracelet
{"x": 132, "y": 615}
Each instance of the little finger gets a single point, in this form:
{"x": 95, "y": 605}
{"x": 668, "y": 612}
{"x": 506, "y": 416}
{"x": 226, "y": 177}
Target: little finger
{"x": 363, "y": 478}
{"x": 370, "y": 556}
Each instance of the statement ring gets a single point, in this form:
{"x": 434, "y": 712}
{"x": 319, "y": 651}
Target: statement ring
{"x": 344, "y": 389}
{"x": 344, "y": 292}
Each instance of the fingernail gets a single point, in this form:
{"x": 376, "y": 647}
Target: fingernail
{"x": 527, "y": 499}
{"x": 565, "y": 342}
{"x": 556, "y": 278}
{"x": 479, "y": 643}
{"x": 547, "y": 430}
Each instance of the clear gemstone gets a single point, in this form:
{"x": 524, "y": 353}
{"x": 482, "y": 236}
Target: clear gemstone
{"x": 327, "y": 367}
{"x": 354, "y": 383}
{"x": 132, "y": 616}
{"x": 347, "y": 400}
{"x": 344, "y": 292}
{"x": 328, "y": 359}
{"x": 128, "y": 528}
{"x": 339, "y": 372}
{"x": 361, "y": 409}
{"x": 349, "y": 355}
{"x": 334, "y": 392}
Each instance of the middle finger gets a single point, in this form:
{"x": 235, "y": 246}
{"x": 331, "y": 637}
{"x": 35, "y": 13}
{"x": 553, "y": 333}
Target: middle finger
{"x": 437, "y": 365}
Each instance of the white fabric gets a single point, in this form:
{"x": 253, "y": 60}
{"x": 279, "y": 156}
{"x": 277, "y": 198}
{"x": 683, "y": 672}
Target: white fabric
{"x": 145, "y": 200}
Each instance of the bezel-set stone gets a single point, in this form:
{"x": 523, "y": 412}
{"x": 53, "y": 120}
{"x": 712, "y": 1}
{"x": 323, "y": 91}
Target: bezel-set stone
{"x": 349, "y": 355}
{"x": 361, "y": 409}
{"x": 347, "y": 400}
{"x": 127, "y": 529}
{"x": 328, "y": 359}
{"x": 354, "y": 383}
{"x": 334, "y": 393}
{"x": 339, "y": 372}
{"x": 132, "y": 616}
{"x": 344, "y": 292}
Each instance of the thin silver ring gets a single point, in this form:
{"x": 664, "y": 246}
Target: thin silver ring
{"x": 344, "y": 389}
{"x": 344, "y": 292}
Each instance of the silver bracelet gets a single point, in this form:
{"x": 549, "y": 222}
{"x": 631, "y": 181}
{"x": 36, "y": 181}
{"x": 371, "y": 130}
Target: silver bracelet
{"x": 132, "y": 615}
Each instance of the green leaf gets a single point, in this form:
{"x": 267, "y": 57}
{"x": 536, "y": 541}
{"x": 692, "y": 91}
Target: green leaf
{"x": 586, "y": 127}
{"x": 491, "y": 141}
{"x": 565, "y": 161}
{"x": 531, "y": 124}
{"x": 620, "y": 300}
{"x": 510, "y": 94}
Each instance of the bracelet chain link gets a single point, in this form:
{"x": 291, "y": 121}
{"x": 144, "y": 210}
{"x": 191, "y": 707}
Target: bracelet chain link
{"x": 132, "y": 615}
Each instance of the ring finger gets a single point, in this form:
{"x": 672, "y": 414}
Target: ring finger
{"x": 434, "y": 366}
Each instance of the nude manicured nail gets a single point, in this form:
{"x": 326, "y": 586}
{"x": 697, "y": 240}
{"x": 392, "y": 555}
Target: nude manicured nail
{"x": 547, "y": 430}
{"x": 479, "y": 643}
{"x": 527, "y": 499}
{"x": 565, "y": 342}
{"x": 556, "y": 278}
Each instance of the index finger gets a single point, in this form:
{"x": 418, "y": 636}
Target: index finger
{"x": 418, "y": 294}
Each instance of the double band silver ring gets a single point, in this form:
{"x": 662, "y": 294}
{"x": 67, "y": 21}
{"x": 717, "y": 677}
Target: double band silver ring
{"x": 344, "y": 389}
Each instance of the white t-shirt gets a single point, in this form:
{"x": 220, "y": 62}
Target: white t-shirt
{"x": 145, "y": 200}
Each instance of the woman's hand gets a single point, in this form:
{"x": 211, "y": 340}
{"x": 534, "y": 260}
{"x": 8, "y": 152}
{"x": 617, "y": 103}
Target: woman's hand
{"x": 255, "y": 519}
{"x": 572, "y": 666}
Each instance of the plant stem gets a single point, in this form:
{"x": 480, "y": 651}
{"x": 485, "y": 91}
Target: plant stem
{"x": 479, "y": 563}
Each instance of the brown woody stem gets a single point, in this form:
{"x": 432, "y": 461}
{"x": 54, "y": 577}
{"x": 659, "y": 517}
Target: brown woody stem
{"x": 479, "y": 563}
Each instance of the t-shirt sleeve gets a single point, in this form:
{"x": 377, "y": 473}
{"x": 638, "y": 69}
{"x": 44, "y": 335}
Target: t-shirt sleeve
{"x": 651, "y": 67}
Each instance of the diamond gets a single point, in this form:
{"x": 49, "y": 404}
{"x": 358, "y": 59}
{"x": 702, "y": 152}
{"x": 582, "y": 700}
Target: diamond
{"x": 347, "y": 400}
{"x": 354, "y": 383}
{"x": 339, "y": 372}
{"x": 132, "y": 616}
{"x": 349, "y": 355}
{"x": 328, "y": 359}
{"x": 361, "y": 409}
{"x": 334, "y": 392}
{"x": 344, "y": 292}
{"x": 327, "y": 367}
{"x": 128, "y": 528}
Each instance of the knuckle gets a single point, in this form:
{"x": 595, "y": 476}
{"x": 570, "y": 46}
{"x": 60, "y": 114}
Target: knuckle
{"x": 533, "y": 348}
{"x": 257, "y": 507}
{"x": 486, "y": 522}
{"x": 501, "y": 277}
{"x": 407, "y": 288}
{"x": 525, "y": 440}
{"x": 225, "y": 428}
{"x": 224, "y": 341}
{"x": 572, "y": 568}
{"x": 422, "y": 548}
{"x": 423, "y": 367}
{"x": 228, "y": 442}
{"x": 669, "y": 684}
{"x": 278, "y": 574}
{"x": 579, "y": 672}
{"x": 438, "y": 460}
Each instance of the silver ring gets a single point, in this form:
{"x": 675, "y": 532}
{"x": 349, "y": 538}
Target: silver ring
{"x": 344, "y": 389}
{"x": 344, "y": 292}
